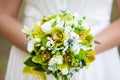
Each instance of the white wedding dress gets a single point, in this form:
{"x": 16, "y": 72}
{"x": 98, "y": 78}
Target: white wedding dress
{"x": 107, "y": 64}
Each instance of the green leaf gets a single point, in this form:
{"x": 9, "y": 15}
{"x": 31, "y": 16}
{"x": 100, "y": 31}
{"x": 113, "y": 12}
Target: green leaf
{"x": 81, "y": 55}
{"x": 57, "y": 76}
{"x": 44, "y": 40}
{"x": 80, "y": 22}
{"x": 62, "y": 66}
{"x": 30, "y": 63}
{"x": 32, "y": 53}
{"x": 82, "y": 63}
{"x": 39, "y": 68}
{"x": 48, "y": 71}
{"x": 66, "y": 77}
{"x": 45, "y": 67}
{"x": 64, "y": 12}
{"x": 37, "y": 59}
{"x": 84, "y": 17}
{"x": 54, "y": 24}
{"x": 77, "y": 30}
{"x": 53, "y": 16}
{"x": 37, "y": 74}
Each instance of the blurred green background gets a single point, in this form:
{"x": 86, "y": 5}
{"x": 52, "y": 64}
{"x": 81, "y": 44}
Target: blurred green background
{"x": 5, "y": 45}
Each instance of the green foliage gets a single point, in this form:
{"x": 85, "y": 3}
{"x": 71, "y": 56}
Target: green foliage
{"x": 30, "y": 63}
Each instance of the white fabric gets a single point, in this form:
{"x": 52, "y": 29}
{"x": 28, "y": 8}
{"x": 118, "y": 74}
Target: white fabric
{"x": 107, "y": 64}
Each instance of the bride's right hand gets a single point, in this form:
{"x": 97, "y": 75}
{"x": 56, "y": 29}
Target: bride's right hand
{"x": 10, "y": 27}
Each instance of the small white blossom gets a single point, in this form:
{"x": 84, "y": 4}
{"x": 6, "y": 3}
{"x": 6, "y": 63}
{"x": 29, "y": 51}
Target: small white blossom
{"x": 42, "y": 48}
{"x": 30, "y": 46}
{"x": 37, "y": 39}
{"x": 27, "y": 31}
{"x": 69, "y": 23}
{"x": 75, "y": 22}
{"x": 50, "y": 42}
{"x": 66, "y": 45}
{"x": 67, "y": 30}
{"x": 65, "y": 71}
{"x": 76, "y": 16}
{"x": 76, "y": 47}
{"x": 59, "y": 59}
{"x": 53, "y": 61}
{"x": 56, "y": 60}
{"x": 51, "y": 68}
{"x": 85, "y": 48}
{"x": 85, "y": 24}
{"x": 58, "y": 19}
{"x": 60, "y": 24}
{"x": 73, "y": 35}
{"x": 46, "y": 27}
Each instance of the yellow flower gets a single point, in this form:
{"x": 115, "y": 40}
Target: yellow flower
{"x": 90, "y": 57}
{"x": 58, "y": 36}
{"x": 37, "y": 31}
{"x": 62, "y": 66}
{"x": 38, "y": 74}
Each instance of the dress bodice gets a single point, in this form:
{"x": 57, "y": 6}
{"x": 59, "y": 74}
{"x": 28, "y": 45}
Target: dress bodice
{"x": 97, "y": 11}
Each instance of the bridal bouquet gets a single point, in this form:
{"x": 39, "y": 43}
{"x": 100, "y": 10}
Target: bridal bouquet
{"x": 60, "y": 45}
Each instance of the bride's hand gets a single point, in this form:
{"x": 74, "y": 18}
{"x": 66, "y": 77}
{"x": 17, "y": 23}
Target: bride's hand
{"x": 110, "y": 37}
{"x": 10, "y": 27}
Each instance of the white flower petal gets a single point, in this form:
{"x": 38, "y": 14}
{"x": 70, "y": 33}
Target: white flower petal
{"x": 59, "y": 59}
{"x": 30, "y": 46}
{"x": 60, "y": 25}
{"x": 65, "y": 71}
{"x": 26, "y": 30}
{"x": 56, "y": 60}
{"x": 46, "y": 27}
{"x": 52, "y": 61}
{"x": 73, "y": 35}
{"x": 50, "y": 42}
{"x": 67, "y": 30}
{"x": 37, "y": 39}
